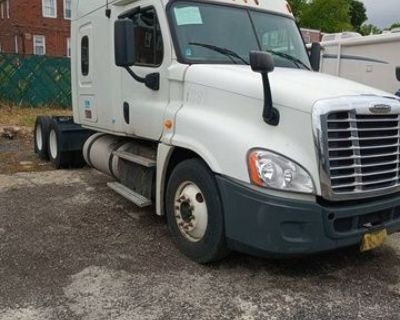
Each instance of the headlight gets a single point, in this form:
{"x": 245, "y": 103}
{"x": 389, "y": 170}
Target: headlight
{"x": 268, "y": 169}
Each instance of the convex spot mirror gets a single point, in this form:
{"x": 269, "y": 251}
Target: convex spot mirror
{"x": 124, "y": 42}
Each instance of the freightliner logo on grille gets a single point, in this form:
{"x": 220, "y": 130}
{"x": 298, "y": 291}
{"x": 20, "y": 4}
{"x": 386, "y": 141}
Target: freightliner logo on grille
{"x": 380, "y": 108}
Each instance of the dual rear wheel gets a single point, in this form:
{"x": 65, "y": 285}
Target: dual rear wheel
{"x": 48, "y": 142}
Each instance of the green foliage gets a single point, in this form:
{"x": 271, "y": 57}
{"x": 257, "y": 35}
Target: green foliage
{"x": 358, "y": 14}
{"x": 327, "y": 15}
{"x": 297, "y": 7}
{"x": 394, "y": 25}
{"x": 367, "y": 29}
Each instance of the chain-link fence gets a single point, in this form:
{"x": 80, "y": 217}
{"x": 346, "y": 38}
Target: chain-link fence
{"x": 35, "y": 80}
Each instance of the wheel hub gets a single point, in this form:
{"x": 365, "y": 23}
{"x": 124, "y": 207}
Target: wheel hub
{"x": 191, "y": 211}
{"x": 186, "y": 211}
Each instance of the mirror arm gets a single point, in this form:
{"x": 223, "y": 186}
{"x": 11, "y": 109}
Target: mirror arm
{"x": 151, "y": 81}
{"x": 270, "y": 114}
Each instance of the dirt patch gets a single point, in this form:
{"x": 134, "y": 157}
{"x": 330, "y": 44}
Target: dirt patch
{"x": 16, "y": 155}
{"x": 26, "y": 117}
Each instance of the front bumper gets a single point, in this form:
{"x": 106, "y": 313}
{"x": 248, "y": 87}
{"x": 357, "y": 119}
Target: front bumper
{"x": 261, "y": 224}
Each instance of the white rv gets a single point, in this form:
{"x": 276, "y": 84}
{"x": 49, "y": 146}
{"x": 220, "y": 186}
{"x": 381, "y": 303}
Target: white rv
{"x": 210, "y": 111}
{"x": 371, "y": 60}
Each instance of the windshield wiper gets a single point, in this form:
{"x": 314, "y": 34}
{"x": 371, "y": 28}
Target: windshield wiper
{"x": 296, "y": 61}
{"x": 223, "y": 51}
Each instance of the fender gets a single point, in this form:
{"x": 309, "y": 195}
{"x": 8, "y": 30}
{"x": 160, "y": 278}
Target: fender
{"x": 164, "y": 154}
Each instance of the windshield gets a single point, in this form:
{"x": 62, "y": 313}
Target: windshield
{"x": 212, "y": 33}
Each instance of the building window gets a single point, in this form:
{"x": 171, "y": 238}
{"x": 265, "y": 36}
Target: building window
{"x": 39, "y": 45}
{"x": 2, "y": 9}
{"x": 149, "y": 43}
{"x": 85, "y": 55}
{"x": 68, "y": 47}
{"x": 67, "y": 9}
{"x": 8, "y": 8}
{"x": 49, "y": 8}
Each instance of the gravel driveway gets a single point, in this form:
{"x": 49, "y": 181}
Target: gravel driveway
{"x": 72, "y": 249}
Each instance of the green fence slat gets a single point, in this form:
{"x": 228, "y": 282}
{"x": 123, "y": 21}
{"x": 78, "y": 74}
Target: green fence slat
{"x": 35, "y": 80}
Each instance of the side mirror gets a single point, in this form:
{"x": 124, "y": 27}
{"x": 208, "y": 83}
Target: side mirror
{"x": 125, "y": 55}
{"x": 398, "y": 73}
{"x": 124, "y": 42}
{"x": 315, "y": 56}
{"x": 261, "y": 62}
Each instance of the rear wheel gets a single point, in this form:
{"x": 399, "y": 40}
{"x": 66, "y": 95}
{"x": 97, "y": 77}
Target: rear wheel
{"x": 194, "y": 212}
{"x": 59, "y": 158}
{"x": 41, "y": 136}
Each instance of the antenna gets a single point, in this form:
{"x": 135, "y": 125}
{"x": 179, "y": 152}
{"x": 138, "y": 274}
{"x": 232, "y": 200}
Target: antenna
{"x": 108, "y": 10}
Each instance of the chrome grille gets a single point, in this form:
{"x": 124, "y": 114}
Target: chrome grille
{"x": 363, "y": 151}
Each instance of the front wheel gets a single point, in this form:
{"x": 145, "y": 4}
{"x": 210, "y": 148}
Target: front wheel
{"x": 194, "y": 212}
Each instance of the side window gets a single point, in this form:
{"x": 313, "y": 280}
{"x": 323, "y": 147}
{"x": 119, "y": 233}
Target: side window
{"x": 149, "y": 44}
{"x": 85, "y": 55}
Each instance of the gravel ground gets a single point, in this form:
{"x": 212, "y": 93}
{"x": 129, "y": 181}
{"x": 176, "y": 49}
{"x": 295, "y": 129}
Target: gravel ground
{"x": 72, "y": 249}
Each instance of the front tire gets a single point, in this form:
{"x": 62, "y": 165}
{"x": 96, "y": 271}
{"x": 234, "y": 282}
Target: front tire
{"x": 194, "y": 212}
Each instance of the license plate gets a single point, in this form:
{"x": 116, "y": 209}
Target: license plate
{"x": 373, "y": 240}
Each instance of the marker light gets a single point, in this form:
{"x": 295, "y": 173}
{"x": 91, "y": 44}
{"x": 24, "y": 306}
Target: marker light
{"x": 270, "y": 170}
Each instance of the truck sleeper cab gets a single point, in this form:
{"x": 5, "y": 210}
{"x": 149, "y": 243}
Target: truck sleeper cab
{"x": 224, "y": 126}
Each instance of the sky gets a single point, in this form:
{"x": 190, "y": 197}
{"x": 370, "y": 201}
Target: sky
{"x": 382, "y": 12}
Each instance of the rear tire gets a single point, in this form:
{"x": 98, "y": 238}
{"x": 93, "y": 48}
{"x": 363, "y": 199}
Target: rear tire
{"x": 60, "y": 159}
{"x": 41, "y": 136}
{"x": 194, "y": 212}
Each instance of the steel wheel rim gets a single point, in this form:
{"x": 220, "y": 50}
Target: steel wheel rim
{"x": 191, "y": 213}
{"x": 39, "y": 138}
{"x": 53, "y": 144}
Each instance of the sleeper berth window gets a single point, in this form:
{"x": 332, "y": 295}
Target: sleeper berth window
{"x": 85, "y": 55}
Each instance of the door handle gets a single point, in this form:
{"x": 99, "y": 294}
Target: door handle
{"x": 126, "y": 109}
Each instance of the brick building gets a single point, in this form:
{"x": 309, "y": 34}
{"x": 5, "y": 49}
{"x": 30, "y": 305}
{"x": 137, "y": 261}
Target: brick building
{"x": 39, "y": 27}
{"x": 311, "y": 35}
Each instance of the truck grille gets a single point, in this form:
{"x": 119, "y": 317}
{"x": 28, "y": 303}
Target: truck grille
{"x": 363, "y": 151}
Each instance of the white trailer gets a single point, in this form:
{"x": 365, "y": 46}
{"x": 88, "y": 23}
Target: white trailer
{"x": 210, "y": 111}
{"x": 371, "y": 60}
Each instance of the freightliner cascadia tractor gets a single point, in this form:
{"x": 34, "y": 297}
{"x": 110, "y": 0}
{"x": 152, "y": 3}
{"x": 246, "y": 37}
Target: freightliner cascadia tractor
{"x": 212, "y": 112}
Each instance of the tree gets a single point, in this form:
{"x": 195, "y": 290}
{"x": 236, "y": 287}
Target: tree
{"x": 367, "y": 29}
{"x": 297, "y": 7}
{"x": 358, "y": 14}
{"x": 327, "y": 15}
{"x": 394, "y": 25}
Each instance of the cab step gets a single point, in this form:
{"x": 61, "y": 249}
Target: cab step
{"x": 143, "y": 161}
{"x": 129, "y": 194}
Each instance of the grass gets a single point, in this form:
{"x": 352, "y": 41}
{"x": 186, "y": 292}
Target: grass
{"x": 26, "y": 116}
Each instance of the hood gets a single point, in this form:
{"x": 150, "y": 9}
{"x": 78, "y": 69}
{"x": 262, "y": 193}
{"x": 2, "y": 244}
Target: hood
{"x": 292, "y": 88}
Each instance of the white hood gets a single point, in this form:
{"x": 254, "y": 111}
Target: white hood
{"x": 293, "y": 88}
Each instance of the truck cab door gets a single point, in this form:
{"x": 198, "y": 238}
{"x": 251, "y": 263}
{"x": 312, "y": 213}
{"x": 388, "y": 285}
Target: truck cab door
{"x": 142, "y": 108}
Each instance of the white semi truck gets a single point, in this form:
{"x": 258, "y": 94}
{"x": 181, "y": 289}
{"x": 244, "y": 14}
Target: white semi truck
{"x": 210, "y": 111}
